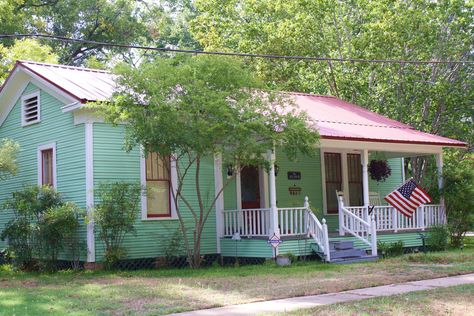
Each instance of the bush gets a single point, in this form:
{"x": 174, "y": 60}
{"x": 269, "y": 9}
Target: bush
{"x": 58, "y": 231}
{"x": 390, "y": 249}
{"x": 458, "y": 194}
{"x": 41, "y": 226}
{"x": 115, "y": 217}
{"x": 437, "y": 238}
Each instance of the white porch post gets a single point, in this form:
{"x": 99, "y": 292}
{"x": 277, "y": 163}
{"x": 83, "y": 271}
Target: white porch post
{"x": 439, "y": 165}
{"x": 365, "y": 176}
{"x": 218, "y": 184}
{"x": 274, "y": 229}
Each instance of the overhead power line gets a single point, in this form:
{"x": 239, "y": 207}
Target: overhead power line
{"x": 267, "y": 56}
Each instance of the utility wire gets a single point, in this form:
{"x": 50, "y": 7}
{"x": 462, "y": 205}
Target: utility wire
{"x": 267, "y": 56}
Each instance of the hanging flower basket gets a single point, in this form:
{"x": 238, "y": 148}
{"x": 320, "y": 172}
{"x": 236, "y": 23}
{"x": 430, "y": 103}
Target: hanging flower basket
{"x": 379, "y": 170}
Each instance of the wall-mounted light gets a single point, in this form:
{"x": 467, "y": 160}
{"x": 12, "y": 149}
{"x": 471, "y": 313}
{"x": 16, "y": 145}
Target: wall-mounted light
{"x": 277, "y": 169}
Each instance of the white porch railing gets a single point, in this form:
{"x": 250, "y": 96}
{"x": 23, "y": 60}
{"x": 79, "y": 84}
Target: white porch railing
{"x": 248, "y": 222}
{"x": 292, "y": 221}
{"x": 387, "y": 218}
{"x": 355, "y": 221}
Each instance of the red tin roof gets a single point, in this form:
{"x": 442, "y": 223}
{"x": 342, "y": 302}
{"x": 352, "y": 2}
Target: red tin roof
{"x": 83, "y": 84}
{"x": 335, "y": 118}
{"x": 338, "y": 119}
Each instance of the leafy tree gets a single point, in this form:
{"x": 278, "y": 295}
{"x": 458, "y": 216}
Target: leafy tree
{"x": 8, "y": 151}
{"x": 27, "y": 49}
{"x": 194, "y": 108}
{"x": 435, "y": 98}
{"x": 458, "y": 194}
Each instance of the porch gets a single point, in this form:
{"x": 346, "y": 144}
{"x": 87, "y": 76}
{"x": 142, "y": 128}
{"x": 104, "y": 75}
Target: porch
{"x": 246, "y": 231}
{"x": 306, "y": 230}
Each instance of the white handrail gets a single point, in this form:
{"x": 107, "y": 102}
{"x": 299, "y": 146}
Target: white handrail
{"x": 318, "y": 231}
{"x": 357, "y": 226}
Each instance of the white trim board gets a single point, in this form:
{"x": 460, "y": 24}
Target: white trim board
{"x": 396, "y": 148}
{"x": 89, "y": 151}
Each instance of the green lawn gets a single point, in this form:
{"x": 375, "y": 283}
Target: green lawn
{"x": 456, "y": 300}
{"x": 152, "y": 292}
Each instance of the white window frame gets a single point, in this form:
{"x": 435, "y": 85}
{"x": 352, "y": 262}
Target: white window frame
{"x": 41, "y": 148}
{"x": 28, "y": 96}
{"x": 174, "y": 182}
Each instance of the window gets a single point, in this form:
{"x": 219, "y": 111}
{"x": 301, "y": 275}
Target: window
{"x": 354, "y": 169}
{"x": 333, "y": 177}
{"x": 47, "y": 165}
{"x": 30, "y": 109}
{"x": 158, "y": 177}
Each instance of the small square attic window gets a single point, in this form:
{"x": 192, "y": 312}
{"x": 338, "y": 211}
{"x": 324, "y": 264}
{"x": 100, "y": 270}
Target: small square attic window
{"x": 30, "y": 108}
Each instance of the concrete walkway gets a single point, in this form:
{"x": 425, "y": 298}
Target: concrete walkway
{"x": 290, "y": 304}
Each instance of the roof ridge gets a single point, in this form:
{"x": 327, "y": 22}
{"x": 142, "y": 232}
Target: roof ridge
{"x": 366, "y": 124}
{"x": 26, "y": 62}
{"x": 308, "y": 94}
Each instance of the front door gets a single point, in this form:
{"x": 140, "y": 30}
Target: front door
{"x": 250, "y": 187}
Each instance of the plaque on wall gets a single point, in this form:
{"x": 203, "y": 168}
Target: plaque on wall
{"x": 294, "y": 175}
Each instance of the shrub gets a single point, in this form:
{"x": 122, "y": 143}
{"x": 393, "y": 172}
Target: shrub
{"x": 437, "y": 238}
{"x": 390, "y": 249}
{"x": 40, "y": 227}
{"x": 458, "y": 194}
{"x": 58, "y": 231}
{"x": 115, "y": 217}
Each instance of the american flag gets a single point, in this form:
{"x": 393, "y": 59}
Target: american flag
{"x": 407, "y": 198}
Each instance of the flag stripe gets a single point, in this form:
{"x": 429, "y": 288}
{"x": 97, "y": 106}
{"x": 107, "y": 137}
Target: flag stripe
{"x": 399, "y": 206}
{"x": 404, "y": 200}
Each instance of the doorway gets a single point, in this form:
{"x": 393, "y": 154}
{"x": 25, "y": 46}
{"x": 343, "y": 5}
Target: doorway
{"x": 250, "y": 187}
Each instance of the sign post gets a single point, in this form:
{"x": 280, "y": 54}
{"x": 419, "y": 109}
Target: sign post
{"x": 274, "y": 241}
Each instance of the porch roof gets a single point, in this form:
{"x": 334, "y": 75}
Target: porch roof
{"x": 341, "y": 120}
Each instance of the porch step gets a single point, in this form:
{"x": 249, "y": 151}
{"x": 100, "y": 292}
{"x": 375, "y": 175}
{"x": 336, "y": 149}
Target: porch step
{"x": 348, "y": 253}
{"x": 344, "y": 252}
{"x": 355, "y": 259}
{"x": 341, "y": 245}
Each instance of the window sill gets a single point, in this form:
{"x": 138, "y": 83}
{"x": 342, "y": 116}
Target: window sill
{"x": 147, "y": 219}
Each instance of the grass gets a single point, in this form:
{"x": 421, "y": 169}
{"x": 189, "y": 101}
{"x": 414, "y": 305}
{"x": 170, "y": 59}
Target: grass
{"x": 456, "y": 300}
{"x": 153, "y": 292}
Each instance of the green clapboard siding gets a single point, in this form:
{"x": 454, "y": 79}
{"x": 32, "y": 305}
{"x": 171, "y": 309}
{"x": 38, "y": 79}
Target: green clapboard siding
{"x": 152, "y": 238}
{"x": 255, "y": 248}
{"x": 392, "y": 182}
{"x": 259, "y": 248}
{"x": 55, "y": 126}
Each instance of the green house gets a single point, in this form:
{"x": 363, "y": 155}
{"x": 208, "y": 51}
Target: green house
{"x": 309, "y": 205}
